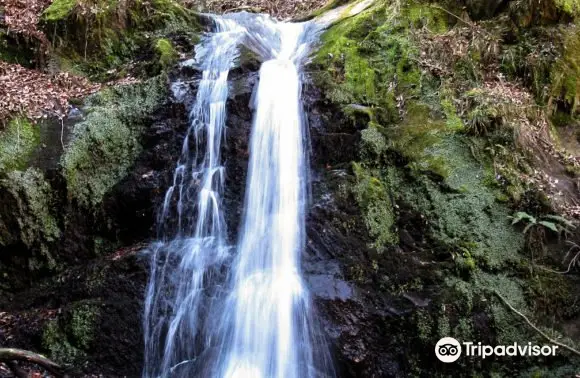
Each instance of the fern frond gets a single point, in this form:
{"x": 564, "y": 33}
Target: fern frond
{"x": 567, "y": 222}
{"x": 520, "y": 215}
{"x": 550, "y": 225}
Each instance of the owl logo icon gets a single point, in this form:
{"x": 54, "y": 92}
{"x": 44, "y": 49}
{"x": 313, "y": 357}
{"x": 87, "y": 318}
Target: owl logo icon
{"x": 448, "y": 350}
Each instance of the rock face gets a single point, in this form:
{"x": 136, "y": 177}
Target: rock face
{"x": 69, "y": 307}
{"x": 415, "y": 172}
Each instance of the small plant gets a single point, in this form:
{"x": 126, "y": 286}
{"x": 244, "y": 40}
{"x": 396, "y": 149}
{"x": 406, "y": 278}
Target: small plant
{"x": 556, "y": 223}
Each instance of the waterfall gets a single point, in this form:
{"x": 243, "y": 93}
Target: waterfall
{"x": 256, "y": 321}
{"x": 270, "y": 336}
{"x": 192, "y": 234}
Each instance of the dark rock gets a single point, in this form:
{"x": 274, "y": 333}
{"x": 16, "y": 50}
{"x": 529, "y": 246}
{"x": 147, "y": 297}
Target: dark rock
{"x": 482, "y": 9}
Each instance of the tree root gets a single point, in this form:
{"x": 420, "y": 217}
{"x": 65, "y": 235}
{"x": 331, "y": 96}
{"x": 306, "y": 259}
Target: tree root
{"x": 567, "y": 347}
{"x": 9, "y": 355}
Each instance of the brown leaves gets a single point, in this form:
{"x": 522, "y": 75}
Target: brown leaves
{"x": 38, "y": 95}
{"x": 281, "y": 9}
{"x": 22, "y": 16}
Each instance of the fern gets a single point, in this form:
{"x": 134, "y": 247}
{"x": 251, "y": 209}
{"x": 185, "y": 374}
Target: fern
{"x": 557, "y": 224}
{"x": 550, "y": 225}
{"x": 566, "y": 222}
{"x": 520, "y": 215}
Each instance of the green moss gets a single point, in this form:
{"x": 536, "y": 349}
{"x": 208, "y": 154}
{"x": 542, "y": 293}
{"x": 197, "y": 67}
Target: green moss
{"x": 421, "y": 138}
{"x": 370, "y": 58}
{"x": 33, "y": 211}
{"x": 565, "y": 74}
{"x": 106, "y": 144}
{"x": 571, "y": 7}
{"x": 114, "y": 33}
{"x": 373, "y": 142}
{"x": 59, "y": 349}
{"x": 69, "y": 337}
{"x": 553, "y": 295}
{"x": 379, "y": 215}
{"x": 82, "y": 324}
{"x": 454, "y": 123}
{"x": 59, "y": 10}
{"x": 479, "y": 292}
{"x": 18, "y": 141}
{"x": 166, "y": 52}
{"x": 461, "y": 209}
{"x": 547, "y": 60}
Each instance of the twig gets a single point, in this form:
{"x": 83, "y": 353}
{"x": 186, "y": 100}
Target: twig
{"x": 62, "y": 132}
{"x": 17, "y": 134}
{"x": 569, "y": 348}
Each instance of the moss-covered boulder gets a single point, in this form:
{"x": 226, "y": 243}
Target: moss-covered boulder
{"x": 28, "y": 221}
{"x": 97, "y": 38}
{"x": 106, "y": 144}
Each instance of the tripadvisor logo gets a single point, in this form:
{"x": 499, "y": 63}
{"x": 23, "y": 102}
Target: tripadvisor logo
{"x": 449, "y": 350}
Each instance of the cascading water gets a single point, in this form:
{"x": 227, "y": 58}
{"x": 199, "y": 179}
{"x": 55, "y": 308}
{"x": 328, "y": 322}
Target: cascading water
{"x": 183, "y": 261}
{"x": 257, "y": 323}
{"x": 270, "y": 334}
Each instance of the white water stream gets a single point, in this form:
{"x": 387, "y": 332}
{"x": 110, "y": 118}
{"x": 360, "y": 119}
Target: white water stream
{"x": 257, "y": 321}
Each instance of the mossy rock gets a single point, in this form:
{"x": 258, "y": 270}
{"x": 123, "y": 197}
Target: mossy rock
{"x": 68, "y": 338}
{"x": 98, "y": 42}
{"x": 374, "y": 198}
{"x": 106, "y": 144}
{"x": 28, "y": 216}
{"x": 18, "y": 140}
{"x": 166, "y": 52}
{"x": 369, "y": 59}
{"x": 565, "y": 75}
{"x": 419, "y": 161}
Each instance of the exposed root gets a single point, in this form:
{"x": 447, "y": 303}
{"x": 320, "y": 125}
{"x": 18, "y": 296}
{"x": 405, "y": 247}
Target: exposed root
{"x": 9, "y": 355}
{"x": 548, "y": 338}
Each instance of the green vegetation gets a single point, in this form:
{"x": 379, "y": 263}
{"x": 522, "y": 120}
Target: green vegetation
{"x": 18, "y": 140}
{"x": 68, "y": 337}
{"x": 565, "y": 76}
{"x": 367, "y": 59}
{"x": 443, "y": 147}
{"x": 374, "y": 199}
{"x": 33, "y": 214}
{"x": 555, "y": 223}
{"x": 166, "y": 52}
{"x": 571, "y": 7}
{"x": 98, "y": 37}
{"x": 106, "y": 144}
{"x": 59, "y": 9}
